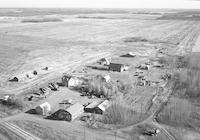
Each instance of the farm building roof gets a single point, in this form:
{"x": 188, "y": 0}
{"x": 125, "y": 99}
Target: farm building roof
{"x": 93, "y": 104}
{"x": 104, "y": 105}
{"x": 74, "y": 108}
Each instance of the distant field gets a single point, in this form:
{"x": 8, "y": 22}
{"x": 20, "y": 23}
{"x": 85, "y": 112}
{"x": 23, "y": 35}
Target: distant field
{"x": 31, "y": 39}
{"x": 28, "y": 46}
{"x": 38, "y": 20}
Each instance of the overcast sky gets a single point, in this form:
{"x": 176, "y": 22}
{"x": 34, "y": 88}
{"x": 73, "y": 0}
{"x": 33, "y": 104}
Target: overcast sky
{"x": 189, "y": 4}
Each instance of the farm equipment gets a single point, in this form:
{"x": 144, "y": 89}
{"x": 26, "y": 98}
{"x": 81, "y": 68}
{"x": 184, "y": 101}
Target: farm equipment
{"x": 53, "y": 86}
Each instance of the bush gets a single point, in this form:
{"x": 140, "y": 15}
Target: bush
{"x": 14, "y": 103}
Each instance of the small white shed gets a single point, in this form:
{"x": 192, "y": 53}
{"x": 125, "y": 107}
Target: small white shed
{"x": 43, "y": 109}
{"x": 106, "y": 78}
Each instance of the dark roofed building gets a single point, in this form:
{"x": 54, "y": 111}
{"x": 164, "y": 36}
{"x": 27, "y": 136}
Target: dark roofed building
{"x": 69, "y": 114}
{"x": 117, "y": 67}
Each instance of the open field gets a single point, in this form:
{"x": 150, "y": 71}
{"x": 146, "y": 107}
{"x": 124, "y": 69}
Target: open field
{"x": 74, "y": 44}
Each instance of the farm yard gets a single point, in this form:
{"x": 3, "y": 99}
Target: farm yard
{"x": 95, "y": 74}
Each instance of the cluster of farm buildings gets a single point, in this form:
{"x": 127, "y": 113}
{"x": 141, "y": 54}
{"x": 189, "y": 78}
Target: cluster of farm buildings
{"x": 73, "y": 110}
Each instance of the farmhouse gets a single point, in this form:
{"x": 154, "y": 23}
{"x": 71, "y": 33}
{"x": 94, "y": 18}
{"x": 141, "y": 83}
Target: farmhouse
{"x": 70, "y": 81}
{"x": 102, "y": 107}
{"x": 43, "y": 109}
{"x": 69, "y": 114}
{"x": 105, "y": 61}
{"x": 118, "y": 67}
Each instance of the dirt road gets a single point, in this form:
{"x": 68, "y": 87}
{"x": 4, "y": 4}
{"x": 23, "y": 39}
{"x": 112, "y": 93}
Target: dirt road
{"x": 166, "y": 93}
{"x": 55, "y": 73}
{"x": 19, "y": 132}
{"x": 196, "y": 47}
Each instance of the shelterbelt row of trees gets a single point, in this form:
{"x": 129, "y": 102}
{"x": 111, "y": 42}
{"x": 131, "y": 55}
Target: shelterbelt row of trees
{"x": 182, "y": 109}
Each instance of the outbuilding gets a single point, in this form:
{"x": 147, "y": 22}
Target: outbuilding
{"x": 106, "y": 78}
{"x": 70, "y": 113}
{"x": 43, "y": 109}
{"x": 118, "y": 67}
{"x": 102, "y": 107}
{"x": 129, "y": 54}
{"x": 91, "y": 107}
{"x": 17, "y": 78}
{"x": 157, "y": 64}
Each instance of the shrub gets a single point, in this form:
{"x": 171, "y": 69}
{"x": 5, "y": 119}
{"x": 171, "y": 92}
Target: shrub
{"x": 13, "y": 103}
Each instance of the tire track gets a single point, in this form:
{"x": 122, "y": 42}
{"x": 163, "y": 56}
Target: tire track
{"x": 20, "y": 132}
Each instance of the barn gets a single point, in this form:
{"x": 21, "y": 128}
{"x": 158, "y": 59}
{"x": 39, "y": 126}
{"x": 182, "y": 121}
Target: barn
{"x": 102, "y": 107}
{"x": 70, "y": 113}
{"x": 43, "y": 109}
{"x": 117, "y": 67}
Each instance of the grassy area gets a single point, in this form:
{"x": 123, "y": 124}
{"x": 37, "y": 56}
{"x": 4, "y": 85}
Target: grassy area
{"x": 6, "y": 134}
{"x": 44, "y": 132}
